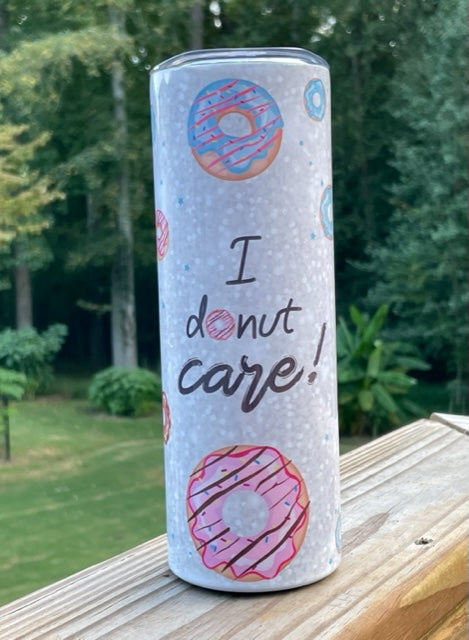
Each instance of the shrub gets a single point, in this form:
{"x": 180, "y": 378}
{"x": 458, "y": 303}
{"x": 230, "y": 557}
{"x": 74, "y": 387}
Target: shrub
{"x": 31, "y": 353}
{"x": 125, "y": 392}
{"x": 372, "y": 375}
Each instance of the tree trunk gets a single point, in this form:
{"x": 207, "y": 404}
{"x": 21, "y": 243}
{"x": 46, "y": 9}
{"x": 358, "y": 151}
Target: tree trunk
{"x": 95, "y": 329}
{"x": 23, "y": 291}
{"x": 196, "y": 24}
{"x": 4, "y": 20}
{"x": 6, "y": 428}
{"x": 123, "y": 333}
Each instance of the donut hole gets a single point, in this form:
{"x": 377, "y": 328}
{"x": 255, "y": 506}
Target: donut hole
{"x": 317, "y": 99}
{"x": 245, "y": 512}
{"x": 235, "y": 124}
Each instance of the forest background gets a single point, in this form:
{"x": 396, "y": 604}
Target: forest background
{"x": 77, "y": 237}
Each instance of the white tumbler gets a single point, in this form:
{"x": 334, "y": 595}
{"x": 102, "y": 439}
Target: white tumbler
{"x": 244, "y": 241}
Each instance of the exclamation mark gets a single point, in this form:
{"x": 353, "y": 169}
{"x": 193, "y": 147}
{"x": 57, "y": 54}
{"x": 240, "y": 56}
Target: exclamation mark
{"x": 313, "y": 374}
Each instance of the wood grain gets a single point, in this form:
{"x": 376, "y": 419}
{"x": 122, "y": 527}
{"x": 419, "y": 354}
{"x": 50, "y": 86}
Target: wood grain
{"x": 404, "y": 573}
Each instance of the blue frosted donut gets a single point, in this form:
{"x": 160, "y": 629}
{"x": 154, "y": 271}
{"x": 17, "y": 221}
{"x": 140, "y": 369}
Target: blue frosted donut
{"x": 315, "y": 99}
{"x": 325, "y": 213}
{"x": 227, "y": 156}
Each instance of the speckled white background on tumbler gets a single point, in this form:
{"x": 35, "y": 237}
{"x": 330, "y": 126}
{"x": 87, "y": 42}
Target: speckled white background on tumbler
{"x": 294, "y": 259}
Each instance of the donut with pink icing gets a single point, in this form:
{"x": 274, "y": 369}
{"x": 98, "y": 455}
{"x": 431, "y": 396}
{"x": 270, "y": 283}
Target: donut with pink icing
{"x": 162, "y": 234}
{"x": 247, "y": 510}
{"x": 166, "y": 417}
{"x": 220, "y": 324}
{"x": 255, "y": 141}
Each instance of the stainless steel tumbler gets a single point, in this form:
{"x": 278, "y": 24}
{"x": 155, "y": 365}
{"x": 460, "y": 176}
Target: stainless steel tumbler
{"x": 244, "y": 241}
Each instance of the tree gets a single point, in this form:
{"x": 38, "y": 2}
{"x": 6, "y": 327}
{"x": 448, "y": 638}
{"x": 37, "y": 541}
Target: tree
{"x": 80, "y": 71}
{"x": 124, "y": 345}
{"x": 58, "y": 56}
{"x": 24, "y": 193}
{"x": 423, "y": 262}
{"x": 363, "y": 41}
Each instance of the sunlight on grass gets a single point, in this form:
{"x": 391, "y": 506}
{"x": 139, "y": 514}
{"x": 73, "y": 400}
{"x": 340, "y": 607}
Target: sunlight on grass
{"x": 81, "y": 487}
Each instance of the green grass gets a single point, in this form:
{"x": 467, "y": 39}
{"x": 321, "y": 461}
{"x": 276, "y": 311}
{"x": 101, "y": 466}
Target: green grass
{"x": 81, "y": 487}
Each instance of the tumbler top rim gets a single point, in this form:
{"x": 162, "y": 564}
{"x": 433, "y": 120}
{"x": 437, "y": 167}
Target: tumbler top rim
{"x": 203, "y": 56}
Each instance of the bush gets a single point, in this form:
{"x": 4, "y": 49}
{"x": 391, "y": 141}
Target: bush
{"x": 125, "y": 392}
{"x": 373, "y": 376}
{"x": 31, "y": 353}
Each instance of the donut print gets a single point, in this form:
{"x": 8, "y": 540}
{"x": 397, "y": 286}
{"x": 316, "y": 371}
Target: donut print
{"x": 220, "y": 324}
{"x": 162, "y": 234}
{"x": 338, "y": 534}
{"x": 254, "y": 144}
{"x": 325, "y": 213}
{"x": 247, "y": 510}
{"x": 166, "y": 417}
{"x": 315, "y": 99}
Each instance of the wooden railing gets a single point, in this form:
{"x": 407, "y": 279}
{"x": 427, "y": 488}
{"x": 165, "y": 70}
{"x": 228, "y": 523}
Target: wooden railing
{"x": 404, "y": 573}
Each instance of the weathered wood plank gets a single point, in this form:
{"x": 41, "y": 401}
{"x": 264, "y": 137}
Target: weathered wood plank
{"x": 403, "y": 575}
{"x": 457, "y": 422}
{"x": 453, "y": 627}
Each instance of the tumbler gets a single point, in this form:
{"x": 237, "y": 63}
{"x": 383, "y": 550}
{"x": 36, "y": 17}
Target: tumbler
{"x": 244, "y": 244}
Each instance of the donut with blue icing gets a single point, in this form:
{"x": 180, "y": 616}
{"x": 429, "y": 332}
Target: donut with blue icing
{"x": 247, "y": 150}
{"x": 315, "y": 99}
{"x": 325, "y": 213}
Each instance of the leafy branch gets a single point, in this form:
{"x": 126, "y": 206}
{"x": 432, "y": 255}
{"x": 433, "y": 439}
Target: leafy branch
{"x": 373, "y": 374}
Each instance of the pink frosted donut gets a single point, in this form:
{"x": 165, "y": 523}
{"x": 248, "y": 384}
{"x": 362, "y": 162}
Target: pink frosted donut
{"x": 220, "y": 324}
{"x": 248, "y": 510}
{"x": 166, "y": 417}
{"x": 162, "y": 234}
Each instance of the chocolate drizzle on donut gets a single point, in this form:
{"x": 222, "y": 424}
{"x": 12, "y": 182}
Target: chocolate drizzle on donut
{"x": 236, "y": 472}
{"x": 261, "y": 470}
{"x": 288, "y": 534}
{"x": 215, "y": 461}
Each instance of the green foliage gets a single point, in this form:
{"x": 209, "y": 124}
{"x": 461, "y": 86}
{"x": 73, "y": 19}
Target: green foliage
{"x": 125, "y": 391}
{"x": 23, "y": 192}
{"x": 12, "y": 384}
{"x": 32, "y": 353}
{"x": 373, "y": 378}
{"x": 399, "y": 146}
{"x": 423, "y": 260}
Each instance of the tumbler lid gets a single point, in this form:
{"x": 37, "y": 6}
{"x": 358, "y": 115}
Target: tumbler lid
{"x": 253, "y": 54}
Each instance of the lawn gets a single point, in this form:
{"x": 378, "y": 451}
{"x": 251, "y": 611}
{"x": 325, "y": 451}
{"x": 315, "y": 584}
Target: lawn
{"x": 81, "y": 487}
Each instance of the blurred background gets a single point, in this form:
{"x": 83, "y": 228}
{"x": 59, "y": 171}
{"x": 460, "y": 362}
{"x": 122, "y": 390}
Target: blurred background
{"x": 77, "y": 237}
{"x": 76, "y": 218}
